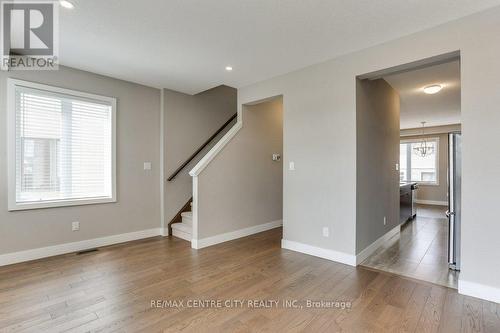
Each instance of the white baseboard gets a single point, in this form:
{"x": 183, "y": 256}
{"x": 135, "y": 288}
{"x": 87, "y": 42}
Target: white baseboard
{"x": 431, "y": 202}
{"x": 49, "y": 251}
{"x": 375, "y": 245}
{"x": 332, "y": 255}
{"x": 479, "y": 290}
{"x": 209, "y": 241}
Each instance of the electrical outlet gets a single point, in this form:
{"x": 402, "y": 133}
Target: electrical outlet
{"x": 385, "y": 220}
{"x": 75, "y": 226}
{"x": 326, "y": 232}
{"x": 147, "y": 165}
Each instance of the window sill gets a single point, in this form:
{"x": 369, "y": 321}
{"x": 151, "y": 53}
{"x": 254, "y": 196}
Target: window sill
{"x": 59, "y": 203}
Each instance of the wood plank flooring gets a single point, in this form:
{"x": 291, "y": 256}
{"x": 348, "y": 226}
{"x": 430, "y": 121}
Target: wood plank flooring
{"x": 420, "y": 251}
{"x": 113, "y": 290}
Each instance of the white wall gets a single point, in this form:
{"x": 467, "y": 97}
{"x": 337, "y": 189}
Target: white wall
{"x": 320, "y": 136}
{"x": 138, "y": 191}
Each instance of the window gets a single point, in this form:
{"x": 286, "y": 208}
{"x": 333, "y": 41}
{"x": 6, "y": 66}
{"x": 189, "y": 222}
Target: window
{"x": 416, "y": 168}
{"x": 61, "y": 147}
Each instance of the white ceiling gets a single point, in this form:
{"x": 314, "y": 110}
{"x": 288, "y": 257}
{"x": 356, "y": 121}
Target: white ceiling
{"x": 439, "y": 109}
{"x": 185, "y": 44}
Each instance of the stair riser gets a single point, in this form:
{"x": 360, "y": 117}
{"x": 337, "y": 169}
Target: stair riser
{"x": 181, "y": 234}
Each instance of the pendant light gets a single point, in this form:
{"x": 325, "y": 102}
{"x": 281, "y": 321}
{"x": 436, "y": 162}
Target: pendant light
{"x": 423, "y": 148}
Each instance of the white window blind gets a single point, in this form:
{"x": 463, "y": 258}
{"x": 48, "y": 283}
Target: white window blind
{"x": 64, "y": 150}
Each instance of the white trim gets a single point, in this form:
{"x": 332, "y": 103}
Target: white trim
{"x": 162, "y": 164}
{"x": 58, "y": 203}
{"x": 49, "y": 251}
{"x": 332, "y": 255}
{"x": 479, "y": 290}
{"x": 11, "y": 147}
{"x": 202, "y": 164}
{"x": 431, "y": 202}
{"x": 376, "y": 244}
{"x": 194, "y": 207}
{"x": 11, "y": 144}
{"x": 59, "y": 90}
{"x": 209, "y": 241}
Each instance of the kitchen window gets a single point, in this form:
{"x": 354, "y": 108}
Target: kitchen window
{"x": 61, "y": 147}
{"x": 417, "y": 168}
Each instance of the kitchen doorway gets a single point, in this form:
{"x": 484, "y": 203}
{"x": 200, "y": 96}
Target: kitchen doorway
{"x": 425, "y": 243}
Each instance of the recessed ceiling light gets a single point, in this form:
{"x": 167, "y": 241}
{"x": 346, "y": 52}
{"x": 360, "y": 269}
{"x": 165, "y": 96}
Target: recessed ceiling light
{"x": 66, "y": 4}
{"x": 229, "y": 68}
{"x": 433, "y": 89}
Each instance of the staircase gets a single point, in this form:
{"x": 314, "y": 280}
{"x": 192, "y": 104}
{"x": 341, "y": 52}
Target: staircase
{"x": 184, "y": 229}
{"x": 181, "y": 225}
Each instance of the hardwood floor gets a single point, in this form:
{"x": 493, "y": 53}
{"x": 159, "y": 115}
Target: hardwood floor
{"x": 113, "y": 290}
{"x": 420, "y": 251}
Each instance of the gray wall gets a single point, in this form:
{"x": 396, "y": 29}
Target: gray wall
{"x": 138, "y": 191}
{"x": 320, "y": 137}
{"x": 242, "y": 186}
{"x": 189, "y": 121}
{"x": 377, "y": 152}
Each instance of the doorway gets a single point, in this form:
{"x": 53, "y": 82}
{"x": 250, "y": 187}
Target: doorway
{"x": 425, "y": 243}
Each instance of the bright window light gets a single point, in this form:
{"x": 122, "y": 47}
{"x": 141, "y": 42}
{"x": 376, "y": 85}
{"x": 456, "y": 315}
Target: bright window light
{"x": 62, "y": 148}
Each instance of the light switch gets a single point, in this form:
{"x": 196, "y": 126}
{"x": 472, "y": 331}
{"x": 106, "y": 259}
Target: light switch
{"x": 291, "y": 166}
{"x": 147, "y": 165}
{"x": 397, "y": 166}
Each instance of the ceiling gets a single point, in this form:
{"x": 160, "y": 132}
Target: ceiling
{"x": 185, "y": 44}
{"x": 438, "y": 109}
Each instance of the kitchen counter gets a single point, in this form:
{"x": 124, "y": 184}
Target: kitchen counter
{"x": 406, "y": 201}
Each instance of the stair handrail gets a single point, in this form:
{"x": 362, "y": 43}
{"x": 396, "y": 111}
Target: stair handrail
{"x": 183, "y": 165}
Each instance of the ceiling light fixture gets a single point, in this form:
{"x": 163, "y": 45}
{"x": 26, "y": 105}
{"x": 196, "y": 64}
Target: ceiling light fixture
{"x": 229, "y": 68}
{"x": 433, "y": 89}
{"x": 66, "y": 4}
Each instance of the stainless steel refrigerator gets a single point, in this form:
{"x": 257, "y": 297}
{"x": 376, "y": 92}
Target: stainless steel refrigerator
{"x": 454, "y": 212}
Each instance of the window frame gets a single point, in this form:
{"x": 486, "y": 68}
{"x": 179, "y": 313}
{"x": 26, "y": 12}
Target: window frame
{"x": 13, "y": 205}
{"x": 430, "y": 138}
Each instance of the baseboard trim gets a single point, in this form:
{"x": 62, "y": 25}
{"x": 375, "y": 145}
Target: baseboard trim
{"x": 375, "y": 245}
{"x": 164, "y": 232}
{"x": 431, "y": 202}
{"x": 209, "y": 241}
{"x": 479, "y": 290}
{"x": 50, "y": 251}
{"x": 332, "y": 255}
